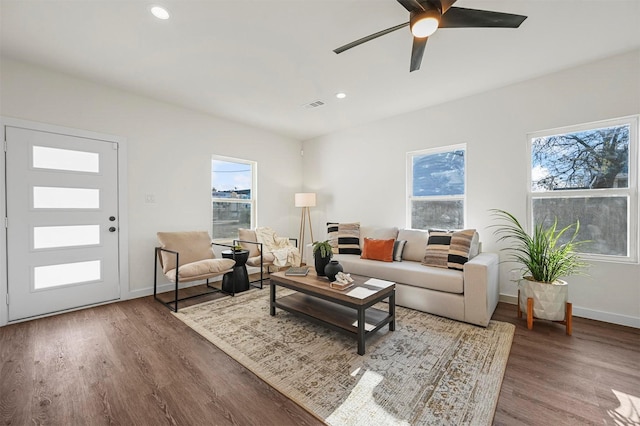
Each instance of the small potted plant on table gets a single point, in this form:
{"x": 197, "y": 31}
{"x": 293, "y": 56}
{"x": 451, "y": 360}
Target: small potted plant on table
{"x": 322, "y": 254}
{"x": 545, "y": 257}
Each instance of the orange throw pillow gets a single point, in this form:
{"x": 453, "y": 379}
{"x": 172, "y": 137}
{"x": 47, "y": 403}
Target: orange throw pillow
{"x": 378, "y": 250}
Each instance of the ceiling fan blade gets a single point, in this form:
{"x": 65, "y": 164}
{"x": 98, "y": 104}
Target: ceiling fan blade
{"x": 411, "y": 5}
{"x": 446, "y": 4}
{"x": 369, "y": 38}
{"x": 459, "y": 17}
{"x": 417, "y": 50}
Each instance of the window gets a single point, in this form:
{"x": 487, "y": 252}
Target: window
{"x": 436, "y": 188}
{"x": 588, "y": 173}
{"x": 233, "y": 196}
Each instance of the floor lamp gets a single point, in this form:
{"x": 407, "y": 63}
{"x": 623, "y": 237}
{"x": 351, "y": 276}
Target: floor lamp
{"x": 305, "y": 200}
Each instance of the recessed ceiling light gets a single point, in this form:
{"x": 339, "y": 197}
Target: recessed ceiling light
{"x": 341, "y": 95}
{"x": 160, "y": 12}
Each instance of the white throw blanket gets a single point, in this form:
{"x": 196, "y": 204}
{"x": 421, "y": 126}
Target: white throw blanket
{"x": 285, "y": 253}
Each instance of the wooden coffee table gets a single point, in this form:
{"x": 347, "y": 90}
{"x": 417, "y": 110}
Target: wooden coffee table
{"x": 349, "y": 311}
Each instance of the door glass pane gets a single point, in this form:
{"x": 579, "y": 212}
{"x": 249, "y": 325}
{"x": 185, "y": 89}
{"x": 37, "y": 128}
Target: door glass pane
{"x": 65, "y": 159}
{"x": 66, "y": 273}
{"x": 46, "y": 197}
{"x": 65, "y": 236}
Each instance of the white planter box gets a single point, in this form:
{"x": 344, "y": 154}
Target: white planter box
{"x": 549, "y": 300}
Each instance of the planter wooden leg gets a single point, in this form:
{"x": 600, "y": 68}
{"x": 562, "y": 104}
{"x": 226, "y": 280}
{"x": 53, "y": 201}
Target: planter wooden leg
{"x": 519, "y": 311}
{"x": 530, "y": 313}
{"x": 568, "y": 318}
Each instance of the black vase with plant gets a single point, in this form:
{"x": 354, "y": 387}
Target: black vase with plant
{"x": 322, "y": 254}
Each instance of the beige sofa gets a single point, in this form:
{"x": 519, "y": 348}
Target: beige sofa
{"x": 470, "y": 295}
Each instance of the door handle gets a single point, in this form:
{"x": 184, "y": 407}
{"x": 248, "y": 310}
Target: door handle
{"x": 112, "y": 229}
{"x": 112, "y": 218}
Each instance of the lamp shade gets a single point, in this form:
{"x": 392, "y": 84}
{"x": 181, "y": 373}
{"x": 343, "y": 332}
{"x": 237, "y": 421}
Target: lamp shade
{"x": 305, "y": 199}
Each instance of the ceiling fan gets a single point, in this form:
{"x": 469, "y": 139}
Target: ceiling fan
{"x": 426, "y": 16}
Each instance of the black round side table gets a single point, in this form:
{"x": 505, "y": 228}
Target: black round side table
{"x": 238, "y": 280}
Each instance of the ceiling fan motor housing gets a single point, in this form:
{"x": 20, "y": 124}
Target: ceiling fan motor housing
{"x": 430, "y": 4}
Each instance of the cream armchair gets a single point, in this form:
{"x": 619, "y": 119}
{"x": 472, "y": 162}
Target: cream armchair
{"x": 186, "y": 257}
{"x": 259, "y": 256}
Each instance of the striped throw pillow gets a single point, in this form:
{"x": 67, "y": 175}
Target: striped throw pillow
{"x": 459, "y": 248}
{"x": 344, "y": 237}
{"x": 449, "y": 249}
{"x": 437, "y": 252}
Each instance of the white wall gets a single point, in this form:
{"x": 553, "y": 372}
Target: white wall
{"x": 359, "y": 173}
{"x": 169, "y": 155}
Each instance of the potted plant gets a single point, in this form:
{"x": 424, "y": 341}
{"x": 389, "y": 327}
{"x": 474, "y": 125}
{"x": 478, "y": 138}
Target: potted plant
{"x": 544, "y": 258}
{"x": 322, "y": 254}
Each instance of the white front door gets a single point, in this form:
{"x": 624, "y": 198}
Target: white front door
{"x": 62, "y": 222}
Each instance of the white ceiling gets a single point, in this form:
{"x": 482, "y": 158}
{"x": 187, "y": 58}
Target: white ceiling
{"x": 260, "y": 61}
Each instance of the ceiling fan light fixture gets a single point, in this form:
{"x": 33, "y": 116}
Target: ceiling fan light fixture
{"x": 160, "y": 12}
{"x": 425, "y": 23}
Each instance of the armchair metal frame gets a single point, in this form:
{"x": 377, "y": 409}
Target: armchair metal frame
{"x": 175, "y": 300}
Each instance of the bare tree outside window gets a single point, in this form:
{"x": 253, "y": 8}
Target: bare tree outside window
{"x": 589, "y": 159}
{"x": 583, "y": 176}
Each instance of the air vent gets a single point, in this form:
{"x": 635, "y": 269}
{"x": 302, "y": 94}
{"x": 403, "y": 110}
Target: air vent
{"x": 314, "y": 104}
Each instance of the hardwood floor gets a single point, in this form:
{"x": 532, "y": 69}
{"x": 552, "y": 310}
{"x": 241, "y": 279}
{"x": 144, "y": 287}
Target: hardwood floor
{"x": 133, "y": 363}
{"x": 555, "y": 379}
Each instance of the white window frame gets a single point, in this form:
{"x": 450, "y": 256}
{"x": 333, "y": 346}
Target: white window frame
{"x": 631, "y": 192}
{"x": 252, "y": 200}
{"x": 409, "y": 195}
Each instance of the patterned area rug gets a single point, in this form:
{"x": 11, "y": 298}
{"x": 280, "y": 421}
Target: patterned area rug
{"x": 430, "y": 370}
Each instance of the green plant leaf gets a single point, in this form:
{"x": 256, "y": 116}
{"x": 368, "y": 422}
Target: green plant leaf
{"x": 541, "y": 254}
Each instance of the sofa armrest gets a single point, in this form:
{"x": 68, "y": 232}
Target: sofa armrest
{"x": 481, "y": 288}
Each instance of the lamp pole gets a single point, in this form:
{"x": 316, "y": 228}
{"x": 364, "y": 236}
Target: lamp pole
{"x": 305, "y": 200}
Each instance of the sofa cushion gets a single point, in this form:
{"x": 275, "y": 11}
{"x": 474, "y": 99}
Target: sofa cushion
{"x": 411, "y": 273}
{"x": 377, "y": 233}
{"x": 449, "y": 249}
{"x": 191, "y": 245}
{"x": 255, "y": 260}
{"x": 201, "y": 269}
{"x": 344, "y": 237}
{"x": 476, "y": 246}
{"x": 249, "y": 235}
{"x": 416, "y": 243}
{"x": 378, "y": 249}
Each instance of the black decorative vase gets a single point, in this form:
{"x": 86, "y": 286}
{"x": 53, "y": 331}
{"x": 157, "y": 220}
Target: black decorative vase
{"x": 332, "y": 269}
{"x": 320, "y": 263}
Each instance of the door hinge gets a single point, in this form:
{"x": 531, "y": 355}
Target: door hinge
{"x": 7, "y": 299}
{"x": 6, "y": 222}
{"x": 5, "y": 145}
